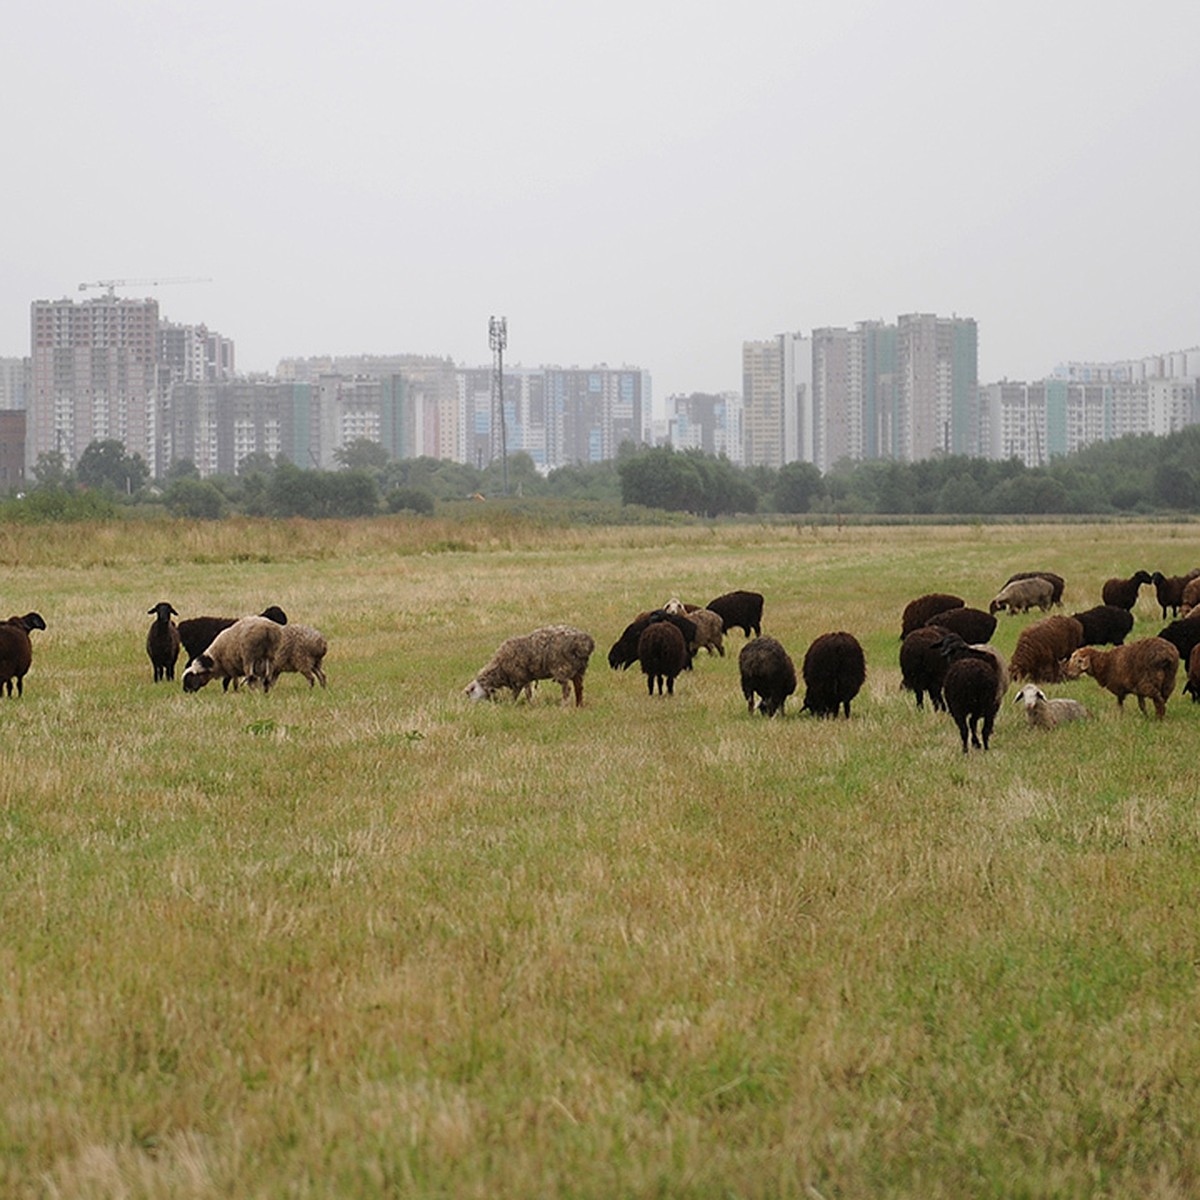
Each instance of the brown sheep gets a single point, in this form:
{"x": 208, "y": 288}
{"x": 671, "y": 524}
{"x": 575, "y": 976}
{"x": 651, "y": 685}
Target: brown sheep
{"x": 663, "y": 654}
{"x": 1145, "y": 669}
{"x": 1124, "y": 592}
{"x": 1169, "y": 590}
{"x": 16, "y": 650}
{"x": 923, "y": 609}
{"x": 1191, "y": 595}
{"x": 1043, "y": 647}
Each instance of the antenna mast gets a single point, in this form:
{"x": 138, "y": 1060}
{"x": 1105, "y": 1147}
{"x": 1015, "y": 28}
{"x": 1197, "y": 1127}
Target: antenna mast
{"x": 498, "y": 340}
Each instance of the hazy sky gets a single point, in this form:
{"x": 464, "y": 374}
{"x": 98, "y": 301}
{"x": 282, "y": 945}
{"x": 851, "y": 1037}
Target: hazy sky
{"x": 637, "y": 181}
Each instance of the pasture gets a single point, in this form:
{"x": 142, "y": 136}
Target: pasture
{"x": 381, "y": 941}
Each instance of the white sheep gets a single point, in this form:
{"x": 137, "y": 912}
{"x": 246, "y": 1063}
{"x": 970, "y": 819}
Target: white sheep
{"x": 246, "y": 650}
{"x": 301, "y": 649}
{"x": 1020, "y": 595}
{"x": 1045, "y": 713}
{"x": 710, "y": 628}
{"x": 558, "y": 652}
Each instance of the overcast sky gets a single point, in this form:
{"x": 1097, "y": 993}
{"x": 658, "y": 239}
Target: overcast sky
{"x": 633, "y": 182}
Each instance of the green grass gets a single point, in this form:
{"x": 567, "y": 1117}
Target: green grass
{"x": 379, "y": 941}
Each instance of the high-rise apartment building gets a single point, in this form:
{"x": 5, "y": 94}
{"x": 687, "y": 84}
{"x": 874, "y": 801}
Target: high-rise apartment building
{"x": 707, "y": 422}
{"x": 777, "y": 400}
{"x": 94, "y": 377}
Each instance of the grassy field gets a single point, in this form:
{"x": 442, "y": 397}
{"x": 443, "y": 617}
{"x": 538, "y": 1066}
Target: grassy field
{"x": 379, "y": 941}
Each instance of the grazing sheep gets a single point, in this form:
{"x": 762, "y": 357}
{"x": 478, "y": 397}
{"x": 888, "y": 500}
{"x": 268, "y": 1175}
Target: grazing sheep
{"x": 162, "y": 642}
{"x": 971, "y": 624}
{"x": 1043, "y": 713}
{"x": 923, "y": 609}
{"x": 834, "y": 670}
{"x": 1145, "y": 668}
{"x": 1192, "y": 687}
{"x": 624, "y": 651}
{"x": 710, "y": 629}
{"x": 301, "y": 649}
{"x": 768, "y": 671}
{"x": 1106, "y": 624}
{"x": 1183, "y": 634}
{"x": 558, "y": 652}
{"x": 246, "y": 650}
{"x": 16, "y": 650}
{"x": 196, "y": 633}
{"x": 1021, "y": 595}
{"x": 663, "y": 654}
{"x": 742, "y": 610}
{"x": 1169, "y": 590}
{"x": 1123, "y": 593}
{"x": 971, "y": 690}
{"x": 1043, "y": 647}
{"x": 1056, "y": 582}
{"x": 951, "y": 646}
{"x": 923, "y": 666}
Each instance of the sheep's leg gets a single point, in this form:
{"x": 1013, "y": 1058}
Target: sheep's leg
{"x": 1160, "y": 707}
{"x": 565, "y": 684}
{"x": 578, "y": 682}
{"x": 961, "y": 722}
{"x": 987, "y": 728}
{"x": 670, "y": 685}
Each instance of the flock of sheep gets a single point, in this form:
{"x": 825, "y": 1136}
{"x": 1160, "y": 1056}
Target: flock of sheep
{"x": 944, "y": 652}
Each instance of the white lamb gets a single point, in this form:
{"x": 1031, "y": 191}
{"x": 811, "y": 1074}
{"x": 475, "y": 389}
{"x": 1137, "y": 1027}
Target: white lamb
{"x": 1045, "y": 713}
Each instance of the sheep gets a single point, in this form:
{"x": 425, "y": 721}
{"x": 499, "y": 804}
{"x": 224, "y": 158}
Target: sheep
{"x": 834, "y": 669}
{"x": 951, "y": 646}
{"x": 971, "y": 624}
{"x": 923, "y": 609}
{"x": 1123, "y": 593}
{"x": 1104, "y": 624}
{"x": 301, "y": 649}
{"x": 1183, "y": 634}
{"x": 162, "y": 641}
{"x": 1191, "y": 595}
{"x": 710, "y": 629}
{"x": 1145, "y": 668}
{"x": 558, "y": 652}
{"x": 1057, "y": 582}
{"x": 624, "y": 652}
{"x": 663, "y": 654}
{"x": 16, "y": 650}
{"x": 741, "y": 610}
{"x": 1044, "y": 713}
{"x": 1169, "y": 590}
{"x": 1021, "y": 595}
{"x": 923, "y": 666}
{"x": 245, "y": 650}
{"x": 1042, "y": 648}
{"x": 1192, "y": 687}
{"x": 971, "y": 690}
{"x": 197, "y": 633}
{"x": 767, "y": 670}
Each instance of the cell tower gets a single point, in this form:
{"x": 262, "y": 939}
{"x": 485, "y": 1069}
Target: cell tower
{"x": 498, "y": 340}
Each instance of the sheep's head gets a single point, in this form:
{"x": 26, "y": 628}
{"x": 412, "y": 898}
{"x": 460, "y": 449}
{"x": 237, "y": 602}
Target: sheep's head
{"x": 674, "y": 605}
{"x": 163, "y": 611}
{"x": 1029, "y": 695}
{"x": 1143, "y": 577}
{"x": 198, "y": 672}
{"x": 1080, "y": 663}
{"x": 477, "y": 691}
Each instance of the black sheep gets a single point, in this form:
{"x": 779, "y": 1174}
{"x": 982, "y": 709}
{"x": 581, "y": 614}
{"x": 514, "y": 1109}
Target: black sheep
{"x": 1123, "y": 593}
{"x": 971, "y": 624}
{"x": 162, "y": 641}
{"x": 923, "y": 609}
{"x": 834, "y": 670}
{"x": 663, "y": 654}
{"x": 1106, "y": 624}
{"x": 923, "y": 666}
{"x": 1169, "y": 590}
{"x": 739, "y": 610}
{"x": 971, "y": 691}
{"x": 624, "y": 651}
{"x": 1183, "y": 634}
{"x": 767, "y": 670}
{"x": 16, "y": 649}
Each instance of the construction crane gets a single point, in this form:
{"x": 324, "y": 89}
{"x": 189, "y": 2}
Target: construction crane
{"x": 111, "y": 285}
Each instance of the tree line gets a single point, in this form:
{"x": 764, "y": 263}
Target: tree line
{"x": 1136, "y": 475}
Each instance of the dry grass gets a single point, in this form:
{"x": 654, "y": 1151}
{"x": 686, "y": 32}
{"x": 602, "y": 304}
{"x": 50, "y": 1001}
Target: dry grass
{"x": 380, "y": 941}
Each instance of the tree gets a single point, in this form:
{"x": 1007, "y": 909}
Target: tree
{"x": 194, "y": 498}
{"x": 50, "y": 470}
{"x": 256, "y": 463}
{"x": 104, "y": 464}
{"x": 410, "y": 499}
{"x": 362, "y": 454}
{"x": 797, "y": 485}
